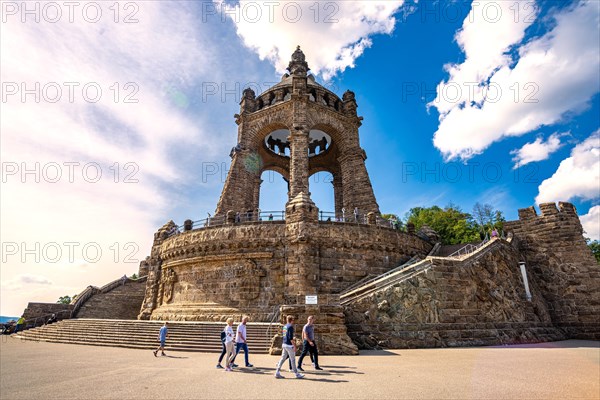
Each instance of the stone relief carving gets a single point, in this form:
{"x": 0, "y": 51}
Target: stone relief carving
{"x": 167, "y": 285}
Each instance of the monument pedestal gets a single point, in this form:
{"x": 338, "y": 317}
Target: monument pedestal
{"x": 330, "y": 328}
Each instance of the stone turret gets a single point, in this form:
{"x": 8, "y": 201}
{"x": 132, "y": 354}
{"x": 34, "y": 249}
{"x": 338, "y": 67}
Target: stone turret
{"x": 553, "y": 247}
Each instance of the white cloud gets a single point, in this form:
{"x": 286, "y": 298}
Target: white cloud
{"x": 165, "y": 53}
{"x": 555, "y": 74}
{"x": 25, "y": 281}
{"x": 332, "y": 34}
{"x": 591, "y": 223}
{"x": 576, "y": 176}
{"x": 536, "y": 151}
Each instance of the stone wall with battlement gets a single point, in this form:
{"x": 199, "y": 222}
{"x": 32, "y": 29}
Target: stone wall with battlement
{"x": 554, "y": 249}
{"x": 212, "y": 273}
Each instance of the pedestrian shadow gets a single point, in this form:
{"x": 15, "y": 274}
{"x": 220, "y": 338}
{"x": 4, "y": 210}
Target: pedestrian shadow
{"x": 307, "y": 377}
{"x": 378, "y": 353}
{"x": 325, "y": 380}
{"x": 338, "y": 369}
{"x": 255, "y": 371}
{"x": 170, "y": 356}
{"x": 338, "y": 372}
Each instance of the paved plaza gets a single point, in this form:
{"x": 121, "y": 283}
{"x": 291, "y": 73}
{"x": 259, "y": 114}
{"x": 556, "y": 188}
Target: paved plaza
{"x": 559, "y": 370}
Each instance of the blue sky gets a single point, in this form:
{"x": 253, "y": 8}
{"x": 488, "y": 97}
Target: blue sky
{"x": 493, "y": 101}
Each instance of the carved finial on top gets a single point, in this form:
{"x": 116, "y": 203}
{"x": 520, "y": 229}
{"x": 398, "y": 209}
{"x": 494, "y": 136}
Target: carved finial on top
{"x": 348, "y": 95}
{"x": 298, "y": 64}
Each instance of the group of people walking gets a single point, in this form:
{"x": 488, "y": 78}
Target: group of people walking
{"x": 288, "y": 347}
{"x": 233, "y": 344}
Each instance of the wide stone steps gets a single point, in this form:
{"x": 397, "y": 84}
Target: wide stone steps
{"x": 183, "y": 336}
{"x": 122, "y": 302}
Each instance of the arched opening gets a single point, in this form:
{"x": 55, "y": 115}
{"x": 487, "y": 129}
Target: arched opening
{"x": 273, "y": 194}
{"x": 318, "y": 142}
{"x": 322, "y": 193}
{"x": 277, "y": 142}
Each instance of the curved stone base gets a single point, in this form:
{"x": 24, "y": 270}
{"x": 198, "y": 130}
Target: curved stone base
{"x": 251, "y": 268}
{"x": 210, "y": 312}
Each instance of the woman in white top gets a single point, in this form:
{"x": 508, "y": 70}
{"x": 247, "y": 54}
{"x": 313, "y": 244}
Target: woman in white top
{"x": 229, "y": 346}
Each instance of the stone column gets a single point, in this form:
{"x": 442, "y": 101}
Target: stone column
{"x": 299, "y": 163}
{"x": 240, "y": 187}
{"x": 338, "y": 194}
{"x": 256, "y": 196}
{"x": 302, "y": 258}
{"x": 357, "y": 191}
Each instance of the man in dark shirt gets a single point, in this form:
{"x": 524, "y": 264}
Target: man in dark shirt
{"x": 288, "y": 348}
{"x": 309, "y": 344}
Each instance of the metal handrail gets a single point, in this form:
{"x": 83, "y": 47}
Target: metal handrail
{"x": 411, "y": 261}
{"x": 276, "y": 311}
{"x": 41, "y": 320}
{"x": 272, "y": 216}
{"x": 386, "y": 280}
{"x": 468, "y": 249}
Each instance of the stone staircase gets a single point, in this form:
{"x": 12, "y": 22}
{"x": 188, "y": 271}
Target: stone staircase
{"x": 404, "y": 272}
{"x": 183, "y": 336}
{"x": 121, "y": 301}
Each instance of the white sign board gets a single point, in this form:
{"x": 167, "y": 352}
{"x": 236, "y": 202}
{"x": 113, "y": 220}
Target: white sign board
{"x": 311, "y": 300}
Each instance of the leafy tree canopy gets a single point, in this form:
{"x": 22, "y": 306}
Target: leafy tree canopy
{"x": 456, "y": 226}
{"x": 594, "y": 245}
{"x": 64, "y": 299}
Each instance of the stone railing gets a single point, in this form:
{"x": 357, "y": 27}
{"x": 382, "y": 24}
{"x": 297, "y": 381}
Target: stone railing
{"x": 88, "y": 292}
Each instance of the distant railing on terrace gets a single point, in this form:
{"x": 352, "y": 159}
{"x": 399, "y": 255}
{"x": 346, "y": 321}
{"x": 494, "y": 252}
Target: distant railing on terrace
{"x": 272, "y": 216}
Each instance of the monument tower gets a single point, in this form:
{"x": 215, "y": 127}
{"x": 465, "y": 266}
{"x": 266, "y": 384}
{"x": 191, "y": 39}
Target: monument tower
{"x": 298, "y": 128}
{"x": 241, "y": 262}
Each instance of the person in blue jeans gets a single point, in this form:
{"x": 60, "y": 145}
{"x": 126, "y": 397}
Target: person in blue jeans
{"x": 241, "y": 343}
{"x": 223, "y": 351}
{"x": 163, "y": 334}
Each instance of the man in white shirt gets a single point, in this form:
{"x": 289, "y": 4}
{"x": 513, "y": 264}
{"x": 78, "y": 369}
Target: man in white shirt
{"x": 240, "y": 342}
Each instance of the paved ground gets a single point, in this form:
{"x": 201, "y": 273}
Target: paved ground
{"x": 561, "y": 370}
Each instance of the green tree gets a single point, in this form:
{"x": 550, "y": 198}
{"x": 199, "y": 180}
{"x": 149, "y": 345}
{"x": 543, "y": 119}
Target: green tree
{"x": 64, "y": 299}
{"x": 594, "y": 245}
{"x": 451, "y": 223}
{"x": 486, "y": 218}
{"x": 134, "y": 276}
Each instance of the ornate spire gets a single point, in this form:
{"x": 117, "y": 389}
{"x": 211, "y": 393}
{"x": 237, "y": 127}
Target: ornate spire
{"x": 298, "y": 64}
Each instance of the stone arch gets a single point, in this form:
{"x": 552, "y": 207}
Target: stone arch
{"x": 336, "y": 183}
{"x": 274, "y": 189}
{"x": 322, "y": 191}
{"x": 334, "y": 129}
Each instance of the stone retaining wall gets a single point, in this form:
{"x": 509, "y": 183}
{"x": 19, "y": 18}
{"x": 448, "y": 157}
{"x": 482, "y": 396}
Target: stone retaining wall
{"x": 477, "y": 301}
